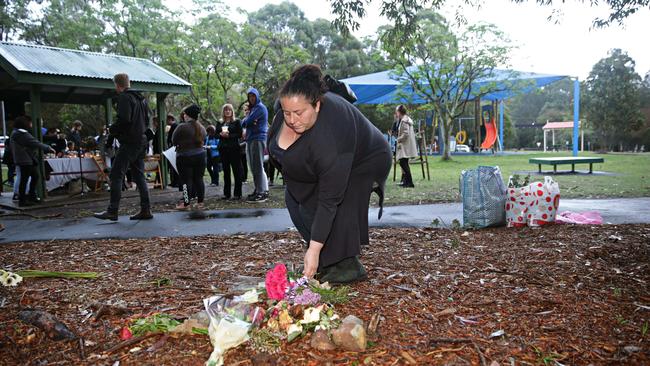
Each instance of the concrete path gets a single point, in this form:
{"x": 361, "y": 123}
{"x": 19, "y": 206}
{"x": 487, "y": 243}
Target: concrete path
{"x": 177, "y": 224}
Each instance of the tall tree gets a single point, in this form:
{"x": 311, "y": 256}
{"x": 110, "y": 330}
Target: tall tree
{"x": 611, "y": 99}
{"x": 445, "y": 69}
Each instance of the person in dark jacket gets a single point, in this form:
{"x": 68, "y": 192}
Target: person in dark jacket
{"x": 173, "y": 175}
{"x": 24, "y": 149}
{"x": 129, "y": 129}
{"x": 332, "y": 158}
{"x": 189, "y": 138}
{"x": 212, "y": 155}
{"x": 256, "y": 124}
{"x": 75, "y": 133}
{"x": 229, "y": 151}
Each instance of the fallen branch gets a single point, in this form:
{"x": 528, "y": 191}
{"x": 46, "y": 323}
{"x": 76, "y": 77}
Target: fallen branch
{"x": 131, "y": 342}
{"x": 480, "y": 354}
{"x": 449, "y": 340}
{"x": 52, "y": 216}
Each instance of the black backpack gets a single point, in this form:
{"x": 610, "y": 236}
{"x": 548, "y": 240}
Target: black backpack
{"x": 340, "y": 88}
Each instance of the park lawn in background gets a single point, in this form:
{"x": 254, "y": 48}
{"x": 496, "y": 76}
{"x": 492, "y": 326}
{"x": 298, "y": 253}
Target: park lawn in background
{"x": 632, "y": 177}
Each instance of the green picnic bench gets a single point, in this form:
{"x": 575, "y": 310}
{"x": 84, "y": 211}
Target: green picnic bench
{"x": 566, "y": 160}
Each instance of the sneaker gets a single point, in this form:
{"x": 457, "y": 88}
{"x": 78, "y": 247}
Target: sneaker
{"x": 235, "y": 198}
{"x": 258, "y": 198}
{"x": 15, "y": 197}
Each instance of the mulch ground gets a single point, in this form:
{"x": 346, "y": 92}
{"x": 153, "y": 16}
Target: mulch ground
{"x": 559, "y": 295}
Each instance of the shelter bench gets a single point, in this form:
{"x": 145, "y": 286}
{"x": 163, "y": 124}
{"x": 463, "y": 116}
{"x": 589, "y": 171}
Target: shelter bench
{"x": 566, "y": 160}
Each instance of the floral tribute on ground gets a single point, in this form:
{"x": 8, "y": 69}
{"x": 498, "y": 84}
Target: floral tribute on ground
{"x": 286, "y": 308}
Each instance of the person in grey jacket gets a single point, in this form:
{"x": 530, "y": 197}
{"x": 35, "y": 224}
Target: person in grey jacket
{"x": 24, "y": 149}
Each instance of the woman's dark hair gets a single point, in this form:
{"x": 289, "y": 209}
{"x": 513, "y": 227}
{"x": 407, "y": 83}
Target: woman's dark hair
{"x": 306, "y": 80}
{"x": 22, "y": 122}
{"x": 401, "y": 109}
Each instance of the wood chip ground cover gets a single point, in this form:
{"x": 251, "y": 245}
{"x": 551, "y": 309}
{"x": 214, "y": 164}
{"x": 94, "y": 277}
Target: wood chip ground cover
{"x": 562, "y": 294}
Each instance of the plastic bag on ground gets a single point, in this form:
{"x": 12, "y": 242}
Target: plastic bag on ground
{"x": 228, "y": 326}
{"x": 579, "y": 218}
{"x": 534, "y": 205}
{"x": 484, "y": 195}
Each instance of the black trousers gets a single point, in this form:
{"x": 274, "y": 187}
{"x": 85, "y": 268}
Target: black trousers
{"x": 128, "y": 157}
{"x": 244, "y": 166}
{"x": 231, "y": 162}
{"x": 407, "y": 179}
{"x": 190, "y": 170}
{"x": 214, "y": 166}
{"x": 26, "y": 172}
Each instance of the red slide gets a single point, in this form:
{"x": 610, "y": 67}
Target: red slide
{"x": 490, "y": 135}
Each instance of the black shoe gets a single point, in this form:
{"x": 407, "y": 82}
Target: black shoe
{"x": 25, "y": 203}
{"x": 15, "y": 197}
{"x": 34, "y": 200}
{"x": 144, "y": 214}
{"x": 408, "y": 185}
{"x": 346, "y": 271}
{"x": 252, "y": 195}
{"x": 258, "y": 198}
{"x": 225, "y": 198}
{"x": 106, "y": 215}
{"x": 236, "y": 198}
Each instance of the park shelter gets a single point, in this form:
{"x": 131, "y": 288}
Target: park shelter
{"x": 40, "y": 74}
{"x": 552, "y": 126}
{"x": 387, "y": 87}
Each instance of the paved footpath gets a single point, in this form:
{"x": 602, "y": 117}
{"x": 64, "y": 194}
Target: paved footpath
{"x": 177, "y": 224}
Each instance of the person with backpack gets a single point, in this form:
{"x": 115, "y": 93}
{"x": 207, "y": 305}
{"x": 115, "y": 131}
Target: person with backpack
{"x": 129, "y": 129}
{"x": 332, "y": 159}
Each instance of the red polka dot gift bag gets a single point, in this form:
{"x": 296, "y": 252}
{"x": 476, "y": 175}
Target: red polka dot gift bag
{"x": 546, "y": 197}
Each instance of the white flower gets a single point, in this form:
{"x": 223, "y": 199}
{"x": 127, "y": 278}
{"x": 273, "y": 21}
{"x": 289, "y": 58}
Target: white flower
{"x": 312, "y": 315}
{"x": 9, "y": 278}
{"x": 294, "y": 328}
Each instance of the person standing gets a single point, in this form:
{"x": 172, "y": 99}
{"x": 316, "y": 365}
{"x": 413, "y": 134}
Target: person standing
{"x": 332, "y": 159}
{"x": 229, "y": 150}
{"x": 129, "y": 129}
{"x": 23, "y": 150}
{"x": 173, "y": 174}
{"x": 256, "y": 125}
{"x": 406, "y": 145}
{"x": 212, "y": 155}
{"x": 189, "y": 138}
{"x": 75, "y": 134}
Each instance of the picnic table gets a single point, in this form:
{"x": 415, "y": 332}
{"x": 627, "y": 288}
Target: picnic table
{"x": 566, "y": 160}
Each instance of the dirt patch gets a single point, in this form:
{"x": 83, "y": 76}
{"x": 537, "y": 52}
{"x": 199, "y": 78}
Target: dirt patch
{"x": 562, "y": 294}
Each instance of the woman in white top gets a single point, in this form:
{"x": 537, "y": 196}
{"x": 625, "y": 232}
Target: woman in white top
{"x": 406, "y": 145}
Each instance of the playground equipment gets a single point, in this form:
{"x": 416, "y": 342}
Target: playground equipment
{"x": 488, "y": 119}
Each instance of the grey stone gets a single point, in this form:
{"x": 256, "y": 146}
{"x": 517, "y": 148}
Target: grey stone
{"x": 202, "y": 318}
{"x": 321, "y": 341}
{"x": 353, "y": 319}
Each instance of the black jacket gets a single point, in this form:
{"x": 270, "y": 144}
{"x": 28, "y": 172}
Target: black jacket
{"x": 232, "y": 142}
{"x": 24, "y": 147}
{"x": 132, "y": 118}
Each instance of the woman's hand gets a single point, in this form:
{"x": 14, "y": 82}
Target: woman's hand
{"x": 311, "y": 259}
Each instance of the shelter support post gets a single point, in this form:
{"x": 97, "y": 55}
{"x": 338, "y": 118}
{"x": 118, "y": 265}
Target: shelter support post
{"x": 501, "y": 125}
{"x": 544, "y": 140}
{"x": 35, "y": 103}
{"x": 108, "y": 112}
{"x": 162, "y": 122}
{"x": 576, "y": 114}
{"x": 582, "y": 140}
{"x": 4, "y": 133}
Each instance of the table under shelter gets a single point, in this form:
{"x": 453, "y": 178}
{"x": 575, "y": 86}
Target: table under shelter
{"x": 40, "y": 74}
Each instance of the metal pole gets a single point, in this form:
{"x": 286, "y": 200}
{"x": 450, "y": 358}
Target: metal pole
{"x": 4, "y": 133}
{"x": 576, "y": 114}
{"x": 501, "y": 125}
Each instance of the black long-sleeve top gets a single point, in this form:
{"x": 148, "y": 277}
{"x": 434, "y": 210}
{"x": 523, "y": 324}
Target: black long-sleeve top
{"x": 317, "y": 167}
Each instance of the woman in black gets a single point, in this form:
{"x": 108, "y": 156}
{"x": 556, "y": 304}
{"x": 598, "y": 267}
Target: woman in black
{"x": 230, "y": 152}
{"x": 190, "y": 157}
{"x": 332, "y": 159}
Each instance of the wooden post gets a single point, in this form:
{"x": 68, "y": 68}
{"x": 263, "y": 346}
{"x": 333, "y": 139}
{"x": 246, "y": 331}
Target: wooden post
{"x": 35, "y": 103}
{"x": 162, "y": 122}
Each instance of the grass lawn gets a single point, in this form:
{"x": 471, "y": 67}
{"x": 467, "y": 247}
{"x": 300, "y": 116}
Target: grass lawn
{"x": 632, "y": 179}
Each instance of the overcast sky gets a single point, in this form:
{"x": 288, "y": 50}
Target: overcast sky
{"x": 569, "y": 47}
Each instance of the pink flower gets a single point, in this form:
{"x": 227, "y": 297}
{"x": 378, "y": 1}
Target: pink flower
{"x": 276, "y": 282}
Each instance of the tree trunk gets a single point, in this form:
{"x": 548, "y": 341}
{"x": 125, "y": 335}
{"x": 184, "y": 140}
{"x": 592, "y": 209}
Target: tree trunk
{"x": 445, "y": 123}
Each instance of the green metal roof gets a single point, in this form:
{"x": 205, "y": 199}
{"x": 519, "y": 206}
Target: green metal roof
{"x": 77, "y": 77}
{"x": 64, "y": 62}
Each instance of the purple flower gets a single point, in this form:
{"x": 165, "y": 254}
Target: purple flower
{"x": 307, "y": 297}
